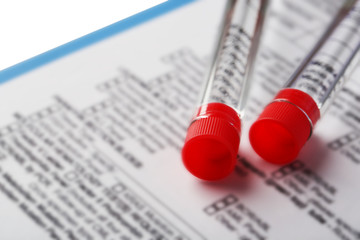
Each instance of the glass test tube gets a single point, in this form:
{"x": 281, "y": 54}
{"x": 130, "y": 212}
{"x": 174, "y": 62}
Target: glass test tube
{"x": 287, "y": 122}
{"x": 213, "y": 137}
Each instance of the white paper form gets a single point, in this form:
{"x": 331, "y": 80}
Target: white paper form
{"x": 90, "y": 144}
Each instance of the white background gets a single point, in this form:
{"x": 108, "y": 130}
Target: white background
{"x": 28, "y": 28}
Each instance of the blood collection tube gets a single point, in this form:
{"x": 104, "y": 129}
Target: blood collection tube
{"x": 287, "y": 122}
{"x": 213, "y": 137}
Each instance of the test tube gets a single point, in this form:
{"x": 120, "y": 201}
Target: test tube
{"x": 213, "y": 137}
{"x": 287, "y": 122}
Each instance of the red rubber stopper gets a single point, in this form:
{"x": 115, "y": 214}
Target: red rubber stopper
{"x": 284, "y": 126}
{"x": 212, "y": 142}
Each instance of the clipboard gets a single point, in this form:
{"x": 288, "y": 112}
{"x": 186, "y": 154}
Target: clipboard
{"x": 91, "y": 38}
{"x": 313, "y": 198}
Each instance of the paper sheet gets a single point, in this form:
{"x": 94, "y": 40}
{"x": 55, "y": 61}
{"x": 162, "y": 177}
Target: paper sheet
{"x": 90, "y": 144}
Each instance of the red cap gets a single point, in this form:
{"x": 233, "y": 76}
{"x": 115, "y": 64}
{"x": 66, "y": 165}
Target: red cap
{"x": 284, "y": 126}
{"x": 212, "y": 142}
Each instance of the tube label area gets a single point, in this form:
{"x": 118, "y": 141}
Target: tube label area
{"x": 229, "y": 77}
{"x": 229, "y": 82}
{"x": 327, "y": 70}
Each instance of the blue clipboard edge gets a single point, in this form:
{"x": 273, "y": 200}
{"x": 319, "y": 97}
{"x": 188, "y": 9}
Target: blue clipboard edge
{"x": 115, "y": 28}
